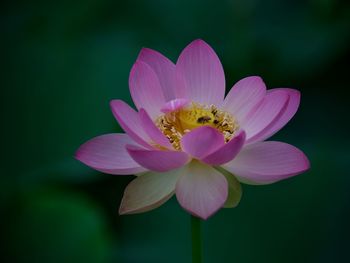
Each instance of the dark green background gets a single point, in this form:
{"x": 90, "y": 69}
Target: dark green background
{"x": 63, "y": 61}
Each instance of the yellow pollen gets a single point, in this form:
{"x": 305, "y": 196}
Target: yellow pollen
{"x": 177, "y": 123}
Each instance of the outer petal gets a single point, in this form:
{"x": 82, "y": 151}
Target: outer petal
{"x": 244, "y": 96}
{"x": 285, "y": 116}
{"x": 152, "y": 130}
{"x": 202, "y": 72}
{"x": 164, "y": 68}
{"x": 148, "y": 191}
{"x": 158, "y": 160}
{"x": 145, "y": 89}
{"x": 268, "y": 162}
{"x": 227, "y": 152}
{"x": 130, "y": 122}
{"x": 201, "y": 190}
{"x": 202, "y": 141}
{"x": 234, "y": 189}
{"x": 260, "y": 118}
{"x": 107, "y": 154}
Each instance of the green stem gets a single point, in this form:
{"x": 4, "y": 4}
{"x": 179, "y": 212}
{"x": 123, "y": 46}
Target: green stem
{"x": 196, "y": 240}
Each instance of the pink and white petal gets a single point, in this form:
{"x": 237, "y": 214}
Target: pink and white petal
{"x": 152, "y": 130}
{"x": 181, "y": 89}
{"x": 201, "y": 190}
{"x": 234, "y": 189}
{"x": 202, "y": 141}
{"x": 164, "y": 68}
{"x": 285, "y": 116}
{"x": 260, "y": 118}
{"x": 145, "y": 89}
{"x": 158, "y": 160}
{"x": 227, "y": 152}
{"x": 107, "y": 154}
{"x": 268, "y": 162}
{"x": 202, "y": 72}
{"x": 148, "y": 191}
{"x": 130, "y": 122}
{"x": 244, "y": 96}
{"x": 174, "y": 105}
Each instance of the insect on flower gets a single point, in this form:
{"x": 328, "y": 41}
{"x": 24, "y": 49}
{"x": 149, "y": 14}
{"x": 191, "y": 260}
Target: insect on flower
{"x": 187, "y": 139}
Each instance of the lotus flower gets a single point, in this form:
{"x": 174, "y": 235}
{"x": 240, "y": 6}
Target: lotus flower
{"x": 187, "y": 139}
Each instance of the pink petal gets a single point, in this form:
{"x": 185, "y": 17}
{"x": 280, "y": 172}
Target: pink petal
{"x": 244, "y": 96}
{"x": 164, "y": 68}
{"x": 268, "y": 162}
{"x": 145, "y": 89}
{"x": 260, "y": 118}
{"x": 152, "y": 130}
{"x": 227, "y": 152}
{"x": 202, "y": 141}
{"x": 202, "y": 72}
{"x": 107, "y": 154}
{"x": 285, "y": 116}
{"x": 158, "y": 160}
{"x": 201, "y": 190}
{"x": 148, "y": 191}
{"x": 130, "y": 122}
{"x": 174, "y": 105}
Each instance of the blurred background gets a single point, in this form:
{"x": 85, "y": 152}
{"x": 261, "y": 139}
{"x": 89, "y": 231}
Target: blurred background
{"x": 63, "y": 61}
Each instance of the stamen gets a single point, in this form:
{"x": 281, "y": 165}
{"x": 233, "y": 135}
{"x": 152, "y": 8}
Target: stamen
{"x": 177, "y": 123}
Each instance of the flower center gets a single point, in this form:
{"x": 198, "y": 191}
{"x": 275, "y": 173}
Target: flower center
{"x": 179, "y": 122}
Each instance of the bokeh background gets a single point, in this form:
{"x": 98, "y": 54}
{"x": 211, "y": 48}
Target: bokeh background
{"x": 63, "y": 61}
